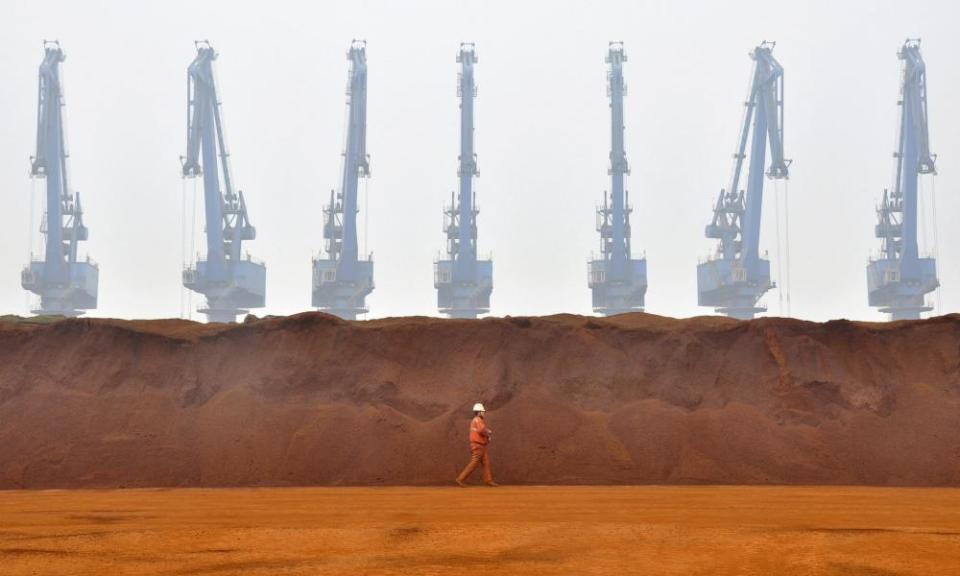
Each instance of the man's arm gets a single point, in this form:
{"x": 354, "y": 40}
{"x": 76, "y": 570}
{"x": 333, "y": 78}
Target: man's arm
{"x": 480, "y": 427}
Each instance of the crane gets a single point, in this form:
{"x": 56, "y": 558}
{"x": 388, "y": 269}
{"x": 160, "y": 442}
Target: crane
{"x": 735, "y": 279}
{"x": 66, "y": 285}
{"x": 464, "y": 282}
{"x": 617, "y": 281}
{"x": 897, "y": 282}
{"x": 231, "y": 281}
{"x": 342, "y": 280}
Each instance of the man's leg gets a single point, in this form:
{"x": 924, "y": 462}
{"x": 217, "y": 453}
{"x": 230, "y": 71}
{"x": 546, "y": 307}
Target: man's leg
{"x": 476, "y": 455}
{"x": 487, "y": 474}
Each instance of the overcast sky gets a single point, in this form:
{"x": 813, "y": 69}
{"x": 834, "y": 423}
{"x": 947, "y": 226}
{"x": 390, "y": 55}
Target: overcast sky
{"x": 542, "y": 139}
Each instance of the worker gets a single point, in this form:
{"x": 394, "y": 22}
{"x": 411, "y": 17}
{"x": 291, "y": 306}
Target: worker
{"x": 479, "y": 439}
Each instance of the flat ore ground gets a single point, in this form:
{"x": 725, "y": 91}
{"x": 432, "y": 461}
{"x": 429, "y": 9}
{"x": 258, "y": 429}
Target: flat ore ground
{"x": 651, "y": 530}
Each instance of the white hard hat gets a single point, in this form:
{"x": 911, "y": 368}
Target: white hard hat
{"x": 478, "y": 407}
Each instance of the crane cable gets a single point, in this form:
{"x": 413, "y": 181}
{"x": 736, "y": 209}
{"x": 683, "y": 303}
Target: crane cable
{"x": 783, "y": 246}
{"x": 183, "y": 241}
{"x": 366, "y": 214}
{"x": 780, "y": 278}
{"x": 929, "y": 221}
{"x": 786, "y": 220}
{"x": 33, "y": 202}
{"x": 30, "y": 224}
{"x": 936, "y": 236}
{"x": 193, "y": 245}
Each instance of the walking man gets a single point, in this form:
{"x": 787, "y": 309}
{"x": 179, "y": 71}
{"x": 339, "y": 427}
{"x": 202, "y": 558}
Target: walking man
{"x": 479, "y": 439}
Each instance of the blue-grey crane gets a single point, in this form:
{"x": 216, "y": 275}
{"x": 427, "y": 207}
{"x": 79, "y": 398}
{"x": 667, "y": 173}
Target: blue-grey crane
{"x": 464, "y": 282}
{"x": 342, "y": 280}
{"x": 737, "y": 277}
{"x": 65, "y": 285}
{"x": 618, "y": 281}
{"x": 231, "y": 281}
{"x": 898, "y": 282}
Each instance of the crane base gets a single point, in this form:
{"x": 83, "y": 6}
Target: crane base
{"x": 898, "y": 287}
{"x": 244, "y": 287}
{"x": 615, "y": 295}
{"x": 72, "y": 297}
{"x": 339, "y": 293}
{"x": 733, "y": 287}
{"x": 747, "y": 313}
{"x": 906, "y": 313}
{"x": 458, "y": 299}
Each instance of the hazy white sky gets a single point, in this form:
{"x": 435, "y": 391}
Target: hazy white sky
{"x": 542, "y": 139}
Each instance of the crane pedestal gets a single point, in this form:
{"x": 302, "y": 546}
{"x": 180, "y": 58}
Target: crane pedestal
{"x": 241, "y": 288}
{"x": 898, "y": 287}
{"x": 732, "y": 287}
{"x": 463, "y": 299}
{"x": 617, "y": 295}
{"x": 71, "y": 297}
{"x": 339, "y": 293}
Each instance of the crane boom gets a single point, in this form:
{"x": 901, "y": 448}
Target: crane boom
{"x": 464, "y": 282}
{"x": 342, "y": 280}
{"x": 898, "y": 282}
{"x": 735, "y": 279}
{"x": 65, "y": 285}
{"x": 617, "y": 281}
{"x": 231, "y": 281}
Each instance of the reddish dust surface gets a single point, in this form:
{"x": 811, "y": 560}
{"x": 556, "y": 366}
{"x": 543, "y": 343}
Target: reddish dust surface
{"x": 632, "y": 399}
{"x": 686, "y": 530}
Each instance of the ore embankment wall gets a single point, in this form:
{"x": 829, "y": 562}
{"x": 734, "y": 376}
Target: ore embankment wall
{"x": 313, "y": 400}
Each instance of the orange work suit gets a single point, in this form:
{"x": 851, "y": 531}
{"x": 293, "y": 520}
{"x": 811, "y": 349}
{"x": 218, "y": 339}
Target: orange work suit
{"x": 479, "y": 456}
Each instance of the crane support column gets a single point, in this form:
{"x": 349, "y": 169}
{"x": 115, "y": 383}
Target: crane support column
{"x": 898, "y": 282}
{"x": 231, "y": 281}
{"x": 617, "y": 281}
{"x": 464, "y": 282}
{"x": 65, "y": 285}
{"x": 737, "y": 277}
{"x": 343, "y": 279}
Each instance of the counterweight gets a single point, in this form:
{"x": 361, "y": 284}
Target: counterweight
{"x": 898, "y": 282}
{"x": 735, "y": 279}
{"x": 231, "y": 281}
{"x": 65, "y": 285}
{"x": 342, "y": 280}
{"x": 464, "y": 282}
